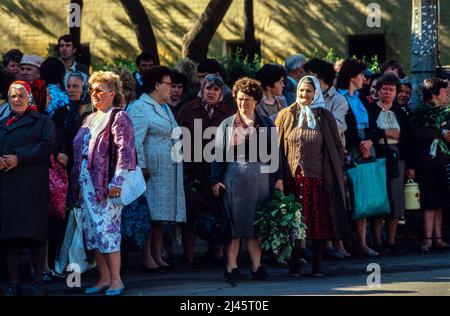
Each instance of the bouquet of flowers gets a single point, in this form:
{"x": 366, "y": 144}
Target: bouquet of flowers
{"x": 430, "y": 115}
{"x": 279, "y": 225}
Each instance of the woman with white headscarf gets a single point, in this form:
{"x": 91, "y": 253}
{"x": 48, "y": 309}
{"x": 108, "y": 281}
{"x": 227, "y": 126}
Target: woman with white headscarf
{"x": 313, "y": 155}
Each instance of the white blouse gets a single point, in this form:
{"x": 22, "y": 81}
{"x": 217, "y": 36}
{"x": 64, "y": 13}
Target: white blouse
{"x": 387, "y": 120}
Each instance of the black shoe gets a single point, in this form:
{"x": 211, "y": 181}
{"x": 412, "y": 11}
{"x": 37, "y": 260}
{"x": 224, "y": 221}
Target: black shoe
{"x": 393, "y": 249}
{"x": 234, "y": 275}
{"x": 150, "y": 270}
{"x": 12, "y": 289}
{"x": 306, "y": 253}
{"x": 47, "y": 277}
{"x": 295, "y": 271}
{"x": 37, "y": 289}
{"x": 260, "y": 274}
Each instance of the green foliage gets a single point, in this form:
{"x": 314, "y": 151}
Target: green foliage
{"x": 52, "y": 51}
{"x": 331, "y": 57}
{"x": 279, "y": 226}
{"x": 119, "y": 62}
{"x": 374, "y": 64}
{"x": 235, "y": 67}
{"x": 429, "y": 115}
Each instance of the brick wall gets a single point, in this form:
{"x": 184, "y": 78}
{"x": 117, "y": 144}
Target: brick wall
{"x": 283, "y": 26}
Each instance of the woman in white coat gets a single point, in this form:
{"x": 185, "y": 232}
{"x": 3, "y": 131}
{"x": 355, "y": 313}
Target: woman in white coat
{"x": 154, "y": 127}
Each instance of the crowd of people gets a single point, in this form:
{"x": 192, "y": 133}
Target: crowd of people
{"x": 68, "y": 139}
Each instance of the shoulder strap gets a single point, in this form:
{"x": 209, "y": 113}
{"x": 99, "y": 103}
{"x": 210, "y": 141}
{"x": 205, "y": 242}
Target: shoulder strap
{"x": 112, "y": 157}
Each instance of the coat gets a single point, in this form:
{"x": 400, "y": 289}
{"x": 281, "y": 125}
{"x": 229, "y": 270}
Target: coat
{"x": 154, "y": 125}
{"x": 375, "y": 134}
{"x": 24, "y": 190}
{"x": 194, "y": 111}
{"x": 333, "y": 154}
{"x": 222, "y": 144}
{"x": 98, "y": 155}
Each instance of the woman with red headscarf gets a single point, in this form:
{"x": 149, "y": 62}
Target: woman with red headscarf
{"x": 26, "y": 142}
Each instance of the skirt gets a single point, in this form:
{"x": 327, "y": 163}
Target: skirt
{"x": 395, "y": 189}
{"x": 434, "y": 193}
{"x": 316, "y": 214}
{"x": 247, "y": 189}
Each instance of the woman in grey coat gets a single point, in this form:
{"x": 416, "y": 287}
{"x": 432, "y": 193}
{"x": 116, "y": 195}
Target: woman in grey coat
{"x": 155, "y": 133}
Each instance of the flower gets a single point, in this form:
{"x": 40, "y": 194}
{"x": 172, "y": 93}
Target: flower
{"x": 280, "y": 226}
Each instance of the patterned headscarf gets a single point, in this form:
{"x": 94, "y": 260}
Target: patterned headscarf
{"x": 31, "y": 107}
{"x": 317, "y": 102}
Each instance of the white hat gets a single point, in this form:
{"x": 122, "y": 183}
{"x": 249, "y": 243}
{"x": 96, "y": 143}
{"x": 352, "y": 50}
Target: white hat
{"x": 34, "y": 60}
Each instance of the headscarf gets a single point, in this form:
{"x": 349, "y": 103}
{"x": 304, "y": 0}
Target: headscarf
{"x": 317, "y": 102}
{"x": 84, "y": 82}
{"x": 73, "y": 116}
{"x": 216, "y": 80}
{"x": 31, "y": 107}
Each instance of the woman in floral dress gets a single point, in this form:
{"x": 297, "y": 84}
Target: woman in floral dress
{"x": 100, "y": 181}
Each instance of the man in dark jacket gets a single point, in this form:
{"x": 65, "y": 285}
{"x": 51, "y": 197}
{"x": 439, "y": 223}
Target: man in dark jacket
{"x": 68, "y": 50}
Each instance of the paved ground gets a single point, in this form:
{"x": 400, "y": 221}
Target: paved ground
{"x": 415, "y": 274}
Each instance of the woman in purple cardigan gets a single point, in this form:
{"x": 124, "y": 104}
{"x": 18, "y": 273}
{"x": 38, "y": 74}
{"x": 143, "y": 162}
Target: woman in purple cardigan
{"x": 96, "y": 181}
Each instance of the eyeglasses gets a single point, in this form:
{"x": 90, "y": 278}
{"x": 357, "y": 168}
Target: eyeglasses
{"x": 97, "y": 91}
{"x": 169, "y": 83}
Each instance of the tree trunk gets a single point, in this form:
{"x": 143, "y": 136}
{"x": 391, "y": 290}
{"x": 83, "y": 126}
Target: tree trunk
{"x": 424, "y": 38}
{"x": 249, "y": 34}
{"x": 196, "y": 41}
{"x": 74, "y": 31}
{"x": 143, "y": 28}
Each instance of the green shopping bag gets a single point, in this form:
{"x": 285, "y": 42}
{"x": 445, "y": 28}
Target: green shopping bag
{"x": 368, "y": 189}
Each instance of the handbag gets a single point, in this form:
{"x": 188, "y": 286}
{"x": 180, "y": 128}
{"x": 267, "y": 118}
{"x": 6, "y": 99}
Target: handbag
{"x": 368, "y": 189}
{"x": 392, "y": 160}
{"x": 58, "y": 189}
{"x": 72, "y": 250}
{"x": 133, "y": 185}
{"x": 215, "y": 227}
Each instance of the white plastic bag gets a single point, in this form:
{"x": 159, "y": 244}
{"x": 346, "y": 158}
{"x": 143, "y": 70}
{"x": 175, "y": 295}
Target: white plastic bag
{"x": 72, "y": 250}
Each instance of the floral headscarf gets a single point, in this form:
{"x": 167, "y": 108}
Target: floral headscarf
{"x": 317, "y": 102}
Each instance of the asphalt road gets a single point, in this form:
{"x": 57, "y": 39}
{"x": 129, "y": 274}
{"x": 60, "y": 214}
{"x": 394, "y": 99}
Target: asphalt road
{"x": 416, "y": 274}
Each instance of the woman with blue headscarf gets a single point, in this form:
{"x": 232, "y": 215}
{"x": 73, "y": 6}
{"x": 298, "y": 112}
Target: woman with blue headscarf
{"x": 313, "y": 156}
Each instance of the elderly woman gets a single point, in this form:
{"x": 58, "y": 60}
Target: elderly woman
{"x": 240, "y": 173}
{"x": 69, "y": 118}
{"x": 430, "y": 160}
{"x": 350, "y": 80}
{"x": 26, "y": 142}
{"x": 98, "y": 174}
{"x": 210, "y": 111}
{"x": 389, "y": 130}
{"x": 154, "y": 125}
{"x": 310, "y": 141}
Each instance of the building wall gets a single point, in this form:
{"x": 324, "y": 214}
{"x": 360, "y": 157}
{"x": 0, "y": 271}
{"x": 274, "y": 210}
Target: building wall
{"x": 284, "y": 27}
